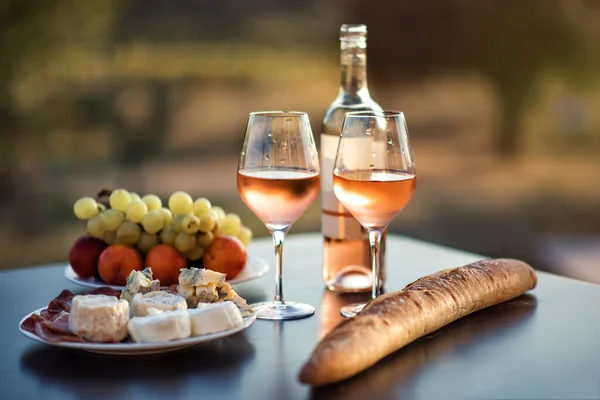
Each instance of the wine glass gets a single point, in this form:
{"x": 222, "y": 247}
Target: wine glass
{"x": 373, "y": 177}
{"x": 278, "y": 178}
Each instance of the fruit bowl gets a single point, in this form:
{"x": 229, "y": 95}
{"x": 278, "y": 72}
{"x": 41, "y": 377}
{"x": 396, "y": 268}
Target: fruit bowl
{"x": 255, "y": 268}
{"x": 126, "y": 232}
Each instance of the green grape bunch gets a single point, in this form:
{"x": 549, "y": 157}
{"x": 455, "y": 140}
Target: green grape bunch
{"x": 190, "y": 226}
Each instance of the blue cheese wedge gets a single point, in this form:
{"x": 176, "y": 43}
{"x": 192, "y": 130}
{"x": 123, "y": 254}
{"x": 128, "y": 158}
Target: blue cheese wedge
{"x": 160, "y": 326}
{"x": 99, "y": 318}
{"x": 202, "y": 286}
{"x": 200, "y": 277}
{"x": 198, "y": 294}
{"x": 242, "y": 305}
{"x": 207, "y": 294}
{"x": 198, "y": 285}
{"x": 162, "y": 301}
{"x": 226, "y": 293}
{"x": 216, "y": 317}
{"x": 186, "y": 291}
{"x": 139, "y": 282}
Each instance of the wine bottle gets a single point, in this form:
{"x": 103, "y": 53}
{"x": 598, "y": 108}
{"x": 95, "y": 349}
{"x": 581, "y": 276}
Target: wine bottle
{"x": 346, "y": 251}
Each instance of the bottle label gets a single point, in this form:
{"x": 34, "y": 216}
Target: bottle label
{"x": 340, "y": 226}
{"x": 336, "y": 221}
{"x": 359, "y": 153}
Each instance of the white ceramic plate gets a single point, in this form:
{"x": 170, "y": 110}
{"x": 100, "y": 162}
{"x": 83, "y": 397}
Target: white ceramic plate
{"x": 255, "y": 268}
{"x": 132, "y": 349}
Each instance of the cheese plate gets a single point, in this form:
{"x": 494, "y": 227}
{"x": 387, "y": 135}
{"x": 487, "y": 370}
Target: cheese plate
{"x": 131, "y": 348}
{"x": 255, "y": 268}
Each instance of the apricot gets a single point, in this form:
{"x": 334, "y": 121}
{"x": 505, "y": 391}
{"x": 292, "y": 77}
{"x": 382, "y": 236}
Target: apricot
{"x": 227, "y": 255}
{"x": 165, "y": 262}
{"x": 117, "y": 261}
{"x": 84, "y": 256}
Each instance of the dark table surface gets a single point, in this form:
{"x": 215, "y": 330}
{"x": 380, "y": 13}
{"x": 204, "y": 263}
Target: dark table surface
{"x": 544, "y": 345}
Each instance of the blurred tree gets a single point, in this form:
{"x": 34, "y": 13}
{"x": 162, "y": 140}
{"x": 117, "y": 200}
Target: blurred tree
{"x": 34, "y": 35}
{"x": 13, "y": 16}
{"x": 508, "y": 41}
{"x": 139, "y": 121}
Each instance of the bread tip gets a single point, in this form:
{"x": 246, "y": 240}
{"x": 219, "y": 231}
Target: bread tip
{"x": 304, "y": 376}
{"x": 308, "y": 375}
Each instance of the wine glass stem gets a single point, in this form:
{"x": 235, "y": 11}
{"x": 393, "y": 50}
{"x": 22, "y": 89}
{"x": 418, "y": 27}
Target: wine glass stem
{"x": 375, "y": 241}
{"x": 278, "y": 238}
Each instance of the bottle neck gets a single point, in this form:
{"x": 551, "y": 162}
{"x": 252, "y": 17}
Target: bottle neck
{"x": 354, "y": 69}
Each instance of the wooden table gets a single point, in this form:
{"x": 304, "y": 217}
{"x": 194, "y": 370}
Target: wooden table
{"x": 545, "y": 345}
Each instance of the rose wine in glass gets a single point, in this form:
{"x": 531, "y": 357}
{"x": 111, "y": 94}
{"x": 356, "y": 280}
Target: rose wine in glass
{"x": 374, "y": 198}
{"x": 373, "y": 177}
{"x": 278, "y": 179}
{"x": 278, "y": 197}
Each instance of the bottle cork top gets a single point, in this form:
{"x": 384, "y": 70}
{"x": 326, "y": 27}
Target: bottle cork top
{"x": 353, "y": 29}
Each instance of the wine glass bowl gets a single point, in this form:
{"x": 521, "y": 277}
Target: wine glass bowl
{"x": 278, "y": 178}
{"x": 374, "y": 176}
{"x": 374, "y": 197}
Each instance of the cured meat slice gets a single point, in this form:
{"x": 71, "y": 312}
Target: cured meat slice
{"x": 47, "y": 331}
{"x": 52, "y": 324}
{"x": 29, "y": 323}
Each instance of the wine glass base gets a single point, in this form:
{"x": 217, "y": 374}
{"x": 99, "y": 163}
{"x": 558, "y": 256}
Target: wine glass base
{"x": 352, "y": 310}
{"x": 282, "y": 311}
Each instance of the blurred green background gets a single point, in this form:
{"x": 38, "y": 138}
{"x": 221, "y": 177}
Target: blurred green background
{"x": 502, "y": 100}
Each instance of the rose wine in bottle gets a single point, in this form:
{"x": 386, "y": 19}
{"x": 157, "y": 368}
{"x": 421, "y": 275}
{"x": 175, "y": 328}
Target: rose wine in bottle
{"x": 346, "y": 251}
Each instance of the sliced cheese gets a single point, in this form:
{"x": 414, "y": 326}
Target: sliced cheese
{"x": 214, "y": 317}
{"x": 160, "y": 326}
{"x": 99, "y": 318}
{"x": 162, "y": 301}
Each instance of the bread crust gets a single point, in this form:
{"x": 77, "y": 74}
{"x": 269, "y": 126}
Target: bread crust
{"x": 394, "y": 320}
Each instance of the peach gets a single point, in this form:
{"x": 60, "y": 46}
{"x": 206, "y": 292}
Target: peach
{"x": 227, "y": 255}
{"x": 84, "y": 256}
{"x": 117, "y": 261}
{"x": 165, "y": 262}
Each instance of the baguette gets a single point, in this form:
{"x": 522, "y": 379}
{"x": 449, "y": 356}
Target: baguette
{"x": 394, "y": 320}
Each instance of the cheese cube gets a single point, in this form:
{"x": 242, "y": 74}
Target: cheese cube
{"x": 99, "y": 318}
